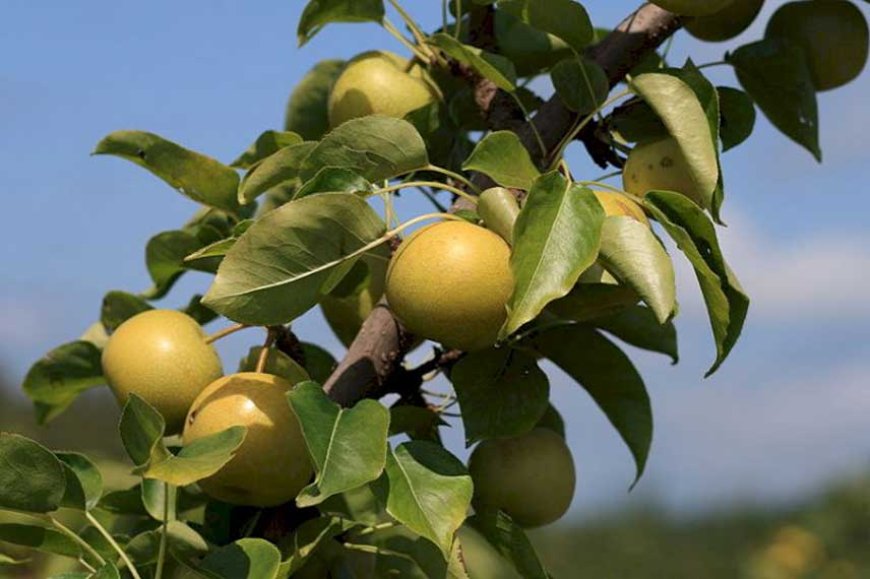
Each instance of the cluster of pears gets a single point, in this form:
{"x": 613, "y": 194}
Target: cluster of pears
{"x": 163, "y": 356}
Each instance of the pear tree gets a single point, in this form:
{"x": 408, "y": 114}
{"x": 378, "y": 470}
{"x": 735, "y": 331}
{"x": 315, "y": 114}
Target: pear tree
{"x": 299, "y": 462}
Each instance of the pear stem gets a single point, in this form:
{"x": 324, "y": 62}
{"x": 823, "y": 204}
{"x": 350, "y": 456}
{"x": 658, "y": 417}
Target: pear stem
{"x": 225, "y": 332}
{"x": 391, "y": 28}
{"x": 435, "y": 184}
{"x": 264, "y": 353}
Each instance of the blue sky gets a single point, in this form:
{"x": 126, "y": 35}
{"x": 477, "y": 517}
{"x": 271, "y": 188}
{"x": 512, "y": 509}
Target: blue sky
{"x": 786, "y": 413}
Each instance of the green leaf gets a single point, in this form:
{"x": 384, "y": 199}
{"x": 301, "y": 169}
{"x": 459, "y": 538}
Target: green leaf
{"x": 632, "y": 253}
{"x": 277, "y": 363}
{"x": 375, "y": 147}
{"x": 556, "y": 237}
{"x": 510, "y": 541}
{"x": 399, "y": 552}
{"x": 157, "y": 499}
{"x": 429, "y": 491}
{"x": 334, "y": 179}
{"x": 581, "y": 84}
{"x": 708, "y": 97}
{"x": 199, "y": 312}
{"x": 165, "y": 258}
{"x": 348, "y": 446}
{"x": 308, "y": 107}
{"x": 493, "y": 67}
{"x": 107, "y": 571}
{"x": 279, "y": 169}
{"x": 32, "y": 479}
{"x": 40, "y": 539}
{"x": 279, "y": 268}
{"x": 141, "y": 429}
{"x": 598, "y": 294}
{"x": 218, "y": 249}
{"x": 200, "y": 178}
{"x": 636, "y": 121}
{"x": 678, "y": 106}
{"x": 501, "y": 156}
{"x": 738, "y": 116}
{"x": 60, "y": 376}
{"x": 417, "y": 422}
{"x": 84, "y": 483}
{"x": 244, "y": 559}
{"x": 199, "y": 459}
{"x": 307, "y": 538}
{"x": 267, "y": 143}
{"x": 120, "y": 306}
{"x": 124, "y": 502}
{"x": 319, "y": 13}
{"x": 695, "y": 235}
{"x": 637, "y": 325}
{"x": 564, "y": 19}
{"x": 610, "y": 378}
{"x": 318, "y": 362}
{"x": 775, "y": 74}
{"x": 501, "y": 392}
{"x": 183, "y": 542}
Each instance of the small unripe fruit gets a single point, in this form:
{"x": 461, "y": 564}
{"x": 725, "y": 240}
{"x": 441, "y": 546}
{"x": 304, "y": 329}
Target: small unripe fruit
{"x": 618, "y": 205}
{"x": 692, "y": 7}
{"x": 726, "y": 23}
{"x": 349, "y": 304}
{"x": 530, "y": 477}
{"x": 659, "y": 165}
{"x": 161, "y": 356}
{"x": 272, "y": 464}
{"x": 832, "y": 33}
{"x": 450, "y": 283}
{"x": 378, "y": 83}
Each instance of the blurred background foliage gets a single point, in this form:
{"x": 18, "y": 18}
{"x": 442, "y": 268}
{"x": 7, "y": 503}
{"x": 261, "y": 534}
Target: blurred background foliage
{"x": 826, "y": 537}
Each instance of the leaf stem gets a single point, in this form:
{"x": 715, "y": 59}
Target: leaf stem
{"x": 461, "y": 178}
{"x": 86, "y": 565}
{"x": 409, "y": 21}
{"x": 435, "y": 184}
{"x": 537, "y": 133}
{"x": 566, "y": 140}
{"x": 715, "y": 63}
{"x": 108, "y": 536}
{"x": 161, "y": 552}
{"x": 457, "y": 31}
{"x": 397, "y": 34}
{"x": 607, "y": 176}
{"x": 264, "y": 352}
{"x": 225, "y": 332}
{"x": 375, "y": 528}
{"x": 81, "y": 542}
{"x": 431, "y": 197}
{"x": 602, "y": 185}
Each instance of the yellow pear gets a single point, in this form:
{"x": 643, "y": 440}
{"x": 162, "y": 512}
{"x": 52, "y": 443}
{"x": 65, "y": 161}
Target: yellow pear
{"x": 450, "y": 282}
{"x": 832, "y": 33}
{"x": 161, "y": 356}
{"x": 379, "y": 83}
{"x": 272, "y": 464}
{"x": 617, "y": 205}
{"x": 726, "y": 23}
{"x": 659, "y": 165}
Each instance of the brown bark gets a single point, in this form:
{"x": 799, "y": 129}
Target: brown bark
{"x": 382, "y": 343}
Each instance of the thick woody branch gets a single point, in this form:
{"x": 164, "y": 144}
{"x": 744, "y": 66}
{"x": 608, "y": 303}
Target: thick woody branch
{"x": 382, "y": 343}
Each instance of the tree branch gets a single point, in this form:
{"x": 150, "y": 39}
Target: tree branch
{"x": 381, "y": 344}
